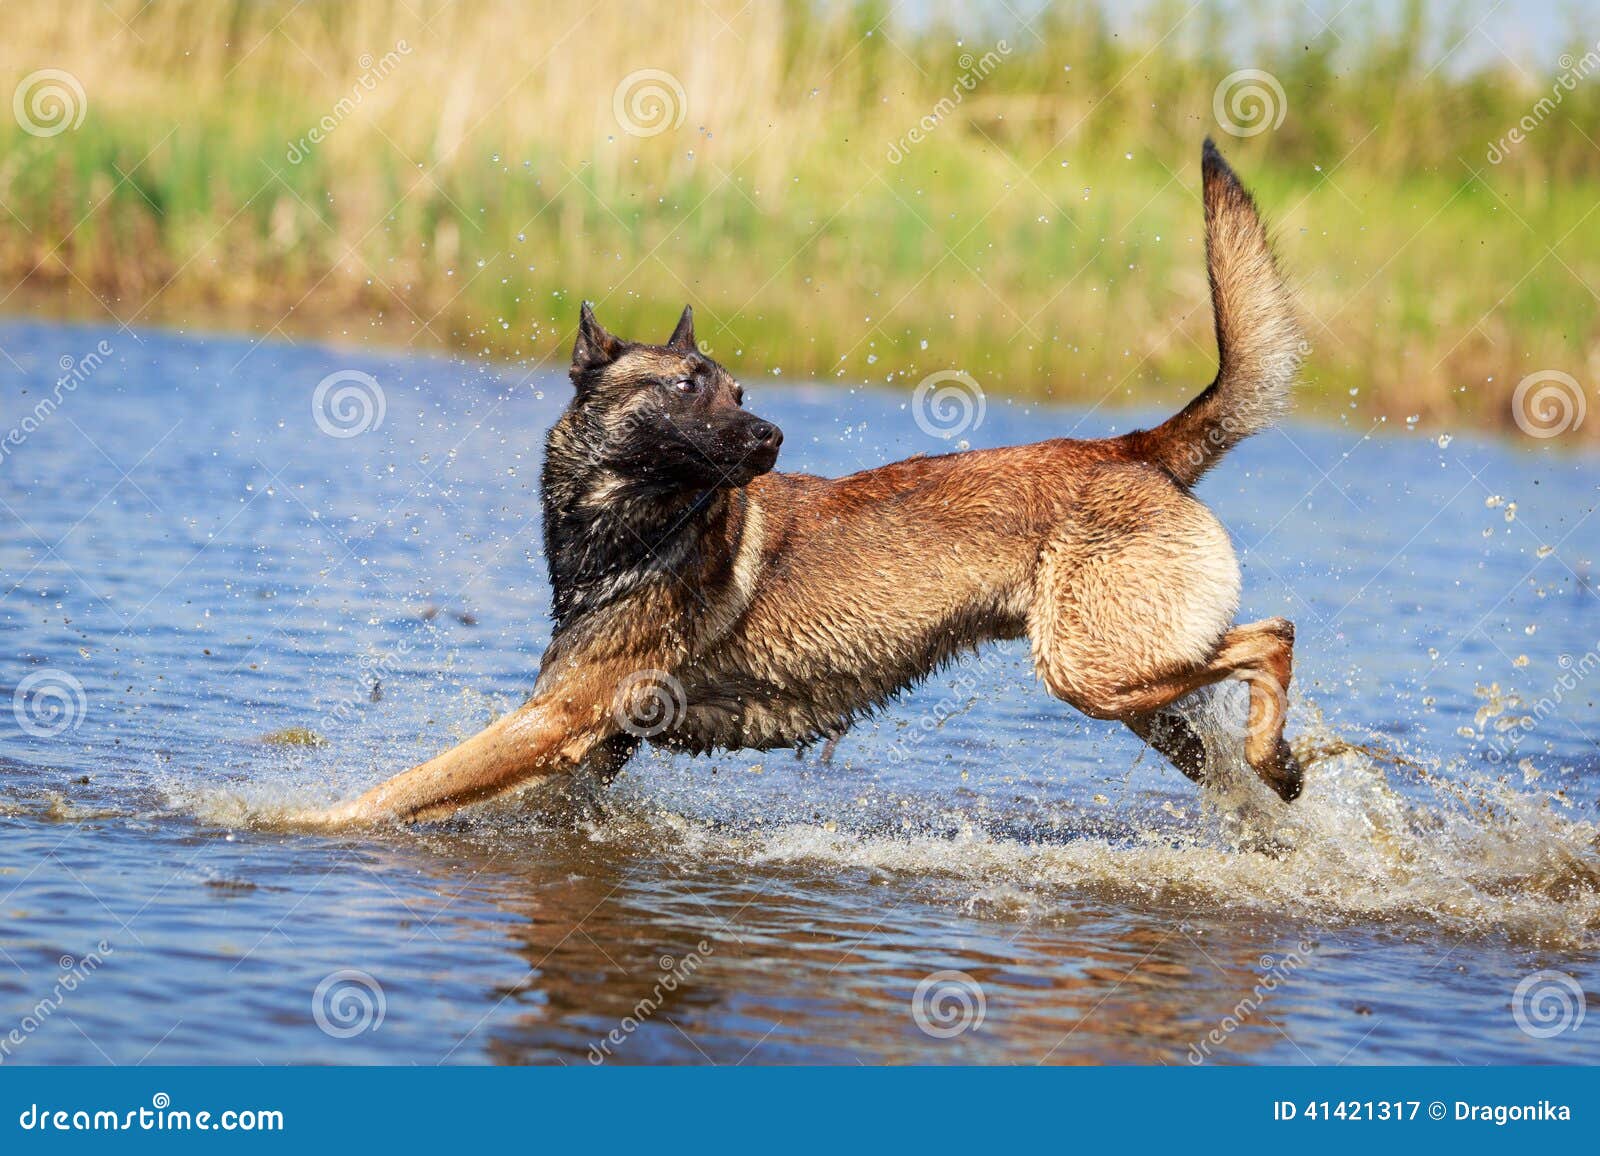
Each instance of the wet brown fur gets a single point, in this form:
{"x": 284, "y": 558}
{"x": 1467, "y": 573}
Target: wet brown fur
{"x": 800, "y": 603}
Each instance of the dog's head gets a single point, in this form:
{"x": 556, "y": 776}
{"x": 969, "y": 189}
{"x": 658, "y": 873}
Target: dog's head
{"x": 665, "y": 415}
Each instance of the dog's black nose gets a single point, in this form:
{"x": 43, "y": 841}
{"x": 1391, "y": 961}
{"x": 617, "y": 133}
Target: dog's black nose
{"x": 764, "y": 435}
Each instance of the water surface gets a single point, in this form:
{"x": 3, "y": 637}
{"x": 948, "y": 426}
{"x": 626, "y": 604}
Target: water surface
{"x": 189, "y": 562}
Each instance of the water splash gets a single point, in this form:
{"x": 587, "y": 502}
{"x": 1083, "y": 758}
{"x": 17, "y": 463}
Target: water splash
{"x": 1381, "y": 834}
{"x": 1458, "y": 851}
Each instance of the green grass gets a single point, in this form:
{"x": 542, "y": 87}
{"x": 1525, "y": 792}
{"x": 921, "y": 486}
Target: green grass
{"x": 1045, "y": 236}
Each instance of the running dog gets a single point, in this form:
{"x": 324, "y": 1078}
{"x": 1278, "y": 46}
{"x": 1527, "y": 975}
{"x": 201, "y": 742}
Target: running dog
{"x": 703, "y": 602}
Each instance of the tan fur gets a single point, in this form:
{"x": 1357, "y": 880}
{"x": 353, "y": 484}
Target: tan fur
{"x": 813, "y": 601}
{"x": 1258, "y": 338}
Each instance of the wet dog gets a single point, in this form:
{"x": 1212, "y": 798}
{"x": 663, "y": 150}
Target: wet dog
{"x": 703, "y": 602}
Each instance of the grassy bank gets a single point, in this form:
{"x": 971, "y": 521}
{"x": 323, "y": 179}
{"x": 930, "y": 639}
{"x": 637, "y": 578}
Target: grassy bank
{"x": 462, "y": 176}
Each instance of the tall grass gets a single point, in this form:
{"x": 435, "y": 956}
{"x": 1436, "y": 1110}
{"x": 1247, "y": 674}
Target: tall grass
{"x": 473, "y": 182}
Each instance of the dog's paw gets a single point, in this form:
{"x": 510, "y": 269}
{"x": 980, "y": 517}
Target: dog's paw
{"x": 1282, "y": 772}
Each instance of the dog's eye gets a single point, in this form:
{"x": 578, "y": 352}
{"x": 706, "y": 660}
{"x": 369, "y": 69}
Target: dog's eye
{"x": 686, "y": 385}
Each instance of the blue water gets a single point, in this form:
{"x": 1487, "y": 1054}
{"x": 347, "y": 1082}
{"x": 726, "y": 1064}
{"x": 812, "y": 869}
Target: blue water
{"x": 190, "y": 563}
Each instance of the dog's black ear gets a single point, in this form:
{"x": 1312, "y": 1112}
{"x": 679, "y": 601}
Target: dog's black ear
{"x": 595, "y": 348}
{"x": 682, "y": 338}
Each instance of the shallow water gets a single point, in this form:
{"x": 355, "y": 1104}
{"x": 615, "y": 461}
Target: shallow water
{"x": 190, "y": 563}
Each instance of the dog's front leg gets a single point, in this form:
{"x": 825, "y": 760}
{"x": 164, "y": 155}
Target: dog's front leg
{"x": 554, "y": 732}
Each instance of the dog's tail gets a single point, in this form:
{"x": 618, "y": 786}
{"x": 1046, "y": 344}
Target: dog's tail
{"x": 1258, "y": 339}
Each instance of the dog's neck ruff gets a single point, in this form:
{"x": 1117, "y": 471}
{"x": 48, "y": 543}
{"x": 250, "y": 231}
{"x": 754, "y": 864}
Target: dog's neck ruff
{"x": 607, "y": 538}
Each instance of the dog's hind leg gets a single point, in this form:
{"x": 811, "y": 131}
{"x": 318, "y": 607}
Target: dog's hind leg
{"x": 1172, "y": 736}
{"x": 1131, "y": 614}
{"x": 1259, "y": 654}
{"x": 1255, "y": 654}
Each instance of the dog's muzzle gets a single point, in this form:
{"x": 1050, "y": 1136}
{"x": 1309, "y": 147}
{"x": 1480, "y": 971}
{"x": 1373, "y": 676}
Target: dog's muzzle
{"x": 764, "y": 435}
{"x": 761, "y": 441}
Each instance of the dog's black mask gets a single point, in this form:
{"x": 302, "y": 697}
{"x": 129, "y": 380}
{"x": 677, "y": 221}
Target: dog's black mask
{"x": 665, "y": 416}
